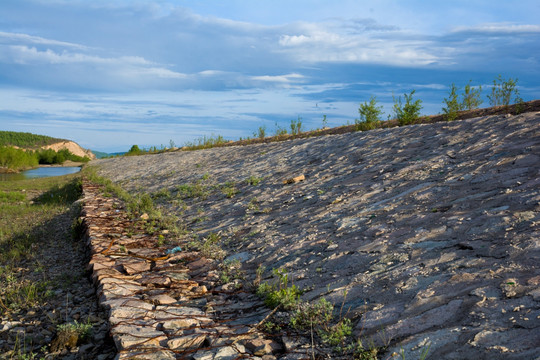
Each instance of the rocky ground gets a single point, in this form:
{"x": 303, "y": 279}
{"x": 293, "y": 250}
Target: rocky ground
{"x": 427, "y": 234}
{"x": 65, "y": 295}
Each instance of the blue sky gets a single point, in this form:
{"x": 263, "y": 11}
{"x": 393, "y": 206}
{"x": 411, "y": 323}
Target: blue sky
{"x": 110, "y": 74}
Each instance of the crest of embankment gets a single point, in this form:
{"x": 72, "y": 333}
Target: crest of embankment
{"x": 428, "y": 233}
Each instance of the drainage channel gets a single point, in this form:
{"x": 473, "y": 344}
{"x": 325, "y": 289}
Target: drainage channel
{"x": 163, "y": 304}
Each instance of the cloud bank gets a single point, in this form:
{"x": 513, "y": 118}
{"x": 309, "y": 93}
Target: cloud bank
{"x": 94, "y": 68}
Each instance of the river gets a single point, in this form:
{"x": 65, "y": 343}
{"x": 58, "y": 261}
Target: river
{"x": 40, "y": 172}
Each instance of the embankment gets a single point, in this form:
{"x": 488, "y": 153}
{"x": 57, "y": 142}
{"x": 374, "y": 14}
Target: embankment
{"x": 427, "y": 234}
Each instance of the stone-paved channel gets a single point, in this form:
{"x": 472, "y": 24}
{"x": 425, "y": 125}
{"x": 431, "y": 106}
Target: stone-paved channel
{"x": 165, "y": 305}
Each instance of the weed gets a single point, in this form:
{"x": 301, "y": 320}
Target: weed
{"x": 163, "y": 194}
{"x": 253, "y": 205}
{"x": 261, "y": 132}
{"x": 296, "y": 126}
{"x": 141, "y": 204}
{"x": 280, "y": 131}
{"x": 73, "y": 332}
{"x": 209, "y": 246}
{"x": 230, "y": 271}
{"x": 205, "y": 142}
{"x": 279, "y": 293}
{"x": 253, "y": 180}
{"x": 271, "y": 327}
{"x": 306, "y": 315}
{"x": 229, "y": 189}
{"x": 17, "y": 295}
{"x": 408, "y": 113}
{"x": 195, "y": 190}
{"x": 324, "y": 122}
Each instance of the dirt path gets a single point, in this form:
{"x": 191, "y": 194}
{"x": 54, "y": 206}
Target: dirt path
{"x": 428, "y": 234}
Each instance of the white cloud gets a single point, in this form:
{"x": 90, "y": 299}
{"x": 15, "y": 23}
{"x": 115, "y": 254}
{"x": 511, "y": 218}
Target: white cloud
{"x": 289, "y": 78}
{"x": 499, "y": 28}
{"x": 7, "y": 37}
{"x": 22, "y": 54}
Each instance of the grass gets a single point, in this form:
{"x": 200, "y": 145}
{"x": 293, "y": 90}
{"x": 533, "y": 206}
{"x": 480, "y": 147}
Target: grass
{"x": 33, "y": 214}
{"x": 26, "y": 210}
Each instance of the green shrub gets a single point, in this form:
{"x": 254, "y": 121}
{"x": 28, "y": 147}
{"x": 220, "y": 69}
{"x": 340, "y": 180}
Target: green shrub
{"x": 370, "y": 115}
{"x": 80, "y": 330}
{"x": 338, "y": 333}
{"x": 408, "y": 113}
{"x": 280, "y": 131}
{"x": 261, "y": 132}
{"x": 296, "y": 126}
{"x": 452, "y": 104}
{"x": 229, "y": 189}
{"x": 309, "y": 315}
{"x": 141, "y": 204}
{"x": 205, "y": 142}
{"x": 253, "y": 180}
{"x": 16, "y": 159}
{"x": 502, "y": 92}
{"x": 279, "y": 293}
{"x": 471, "y": 97}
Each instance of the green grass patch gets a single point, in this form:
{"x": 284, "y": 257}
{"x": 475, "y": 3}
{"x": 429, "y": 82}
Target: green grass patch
{"x": 32, "y": 213}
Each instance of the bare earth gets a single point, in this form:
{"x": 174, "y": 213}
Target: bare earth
{"x": 73, "y": 147}
{"x": 432, "y": 231}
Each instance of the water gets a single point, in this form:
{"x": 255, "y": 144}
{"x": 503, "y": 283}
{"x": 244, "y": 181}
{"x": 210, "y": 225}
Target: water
{"x": 41, "y": 172}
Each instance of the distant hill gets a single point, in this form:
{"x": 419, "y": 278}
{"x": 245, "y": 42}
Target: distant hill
{"x": 100, "y": 154}
{"x": 26, "y": 140}
{"x": 30, "y": 141}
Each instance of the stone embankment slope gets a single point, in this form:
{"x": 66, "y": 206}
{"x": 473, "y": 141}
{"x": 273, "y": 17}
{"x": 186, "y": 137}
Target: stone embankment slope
{"x": 429, "y": 234}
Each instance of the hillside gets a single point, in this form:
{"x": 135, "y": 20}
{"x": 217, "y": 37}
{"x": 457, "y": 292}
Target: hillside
{"x": 427, "y": 234}
{"x": 26, "y": 140}
{"x": 35, "y": 142}
{"x": 73, "y": 147}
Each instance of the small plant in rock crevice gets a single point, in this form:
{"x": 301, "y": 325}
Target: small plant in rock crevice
{"x": 253, "y": 180}
{"x": 229, "y": 189}
{"x": 230, "y": 271}
{"x": 82, "y": 330}
{"x": 209, "y": 246}
{"x": 279, "y": 293}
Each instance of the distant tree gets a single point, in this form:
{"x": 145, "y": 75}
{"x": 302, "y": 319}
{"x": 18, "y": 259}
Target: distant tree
{"x": 370, "y": 115}
{"x": 502, "y": 91}
{"x": 453, "y": 106}
{"x": 134, "y": 150}
{"x": 471, "y": 97}
{"x": 408, "y": 113}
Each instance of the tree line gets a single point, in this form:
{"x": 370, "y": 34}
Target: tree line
{"x": 14, "y": 159}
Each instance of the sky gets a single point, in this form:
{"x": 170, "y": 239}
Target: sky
{"x": 109, "y": 74}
